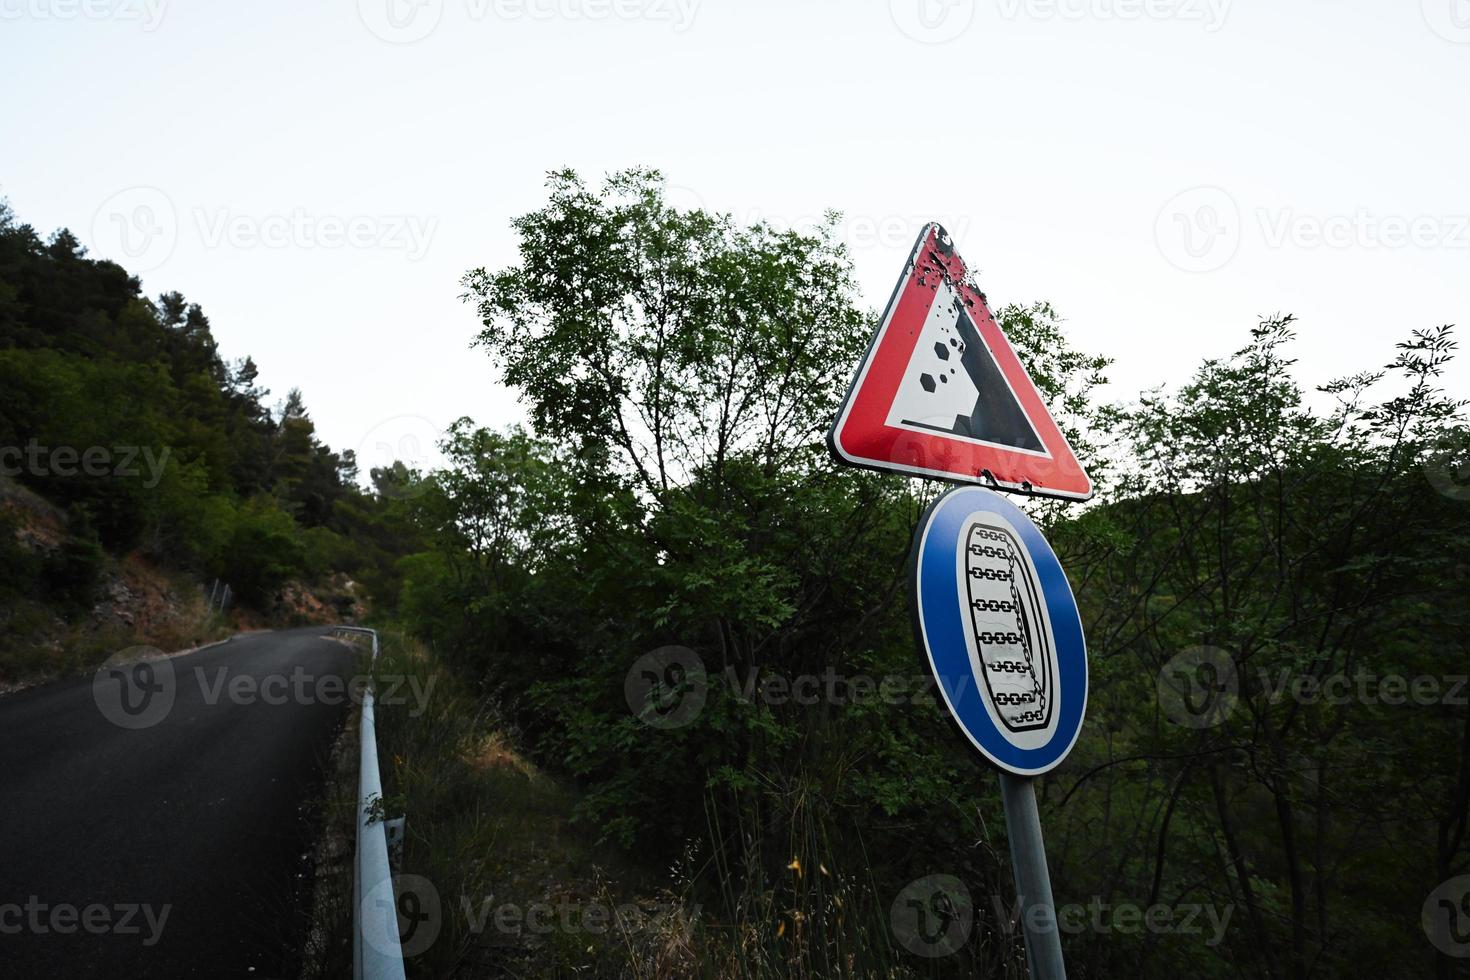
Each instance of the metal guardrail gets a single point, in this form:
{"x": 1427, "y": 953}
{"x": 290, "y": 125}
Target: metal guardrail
{"x": 376, "y": 951}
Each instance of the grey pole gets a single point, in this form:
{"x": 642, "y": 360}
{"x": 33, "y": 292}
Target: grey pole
{"x": 1033, "y": 883}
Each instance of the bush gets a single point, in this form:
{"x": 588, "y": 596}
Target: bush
{"x": 71, "y": 575}
{"x": 264, "y": 552}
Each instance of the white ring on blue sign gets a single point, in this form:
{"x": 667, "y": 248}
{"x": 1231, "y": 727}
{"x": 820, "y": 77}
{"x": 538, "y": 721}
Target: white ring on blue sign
{"x": 950, "y": 631}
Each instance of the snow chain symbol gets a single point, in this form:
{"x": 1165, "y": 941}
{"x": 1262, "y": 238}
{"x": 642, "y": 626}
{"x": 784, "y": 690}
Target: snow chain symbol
{"x": 1001, "y": 585}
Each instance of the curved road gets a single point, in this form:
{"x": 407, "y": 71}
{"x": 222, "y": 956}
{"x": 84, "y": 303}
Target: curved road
{"x": 153, "y": 822}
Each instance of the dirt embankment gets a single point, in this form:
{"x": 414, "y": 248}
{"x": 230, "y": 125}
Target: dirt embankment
{"x": 134, "y": 601}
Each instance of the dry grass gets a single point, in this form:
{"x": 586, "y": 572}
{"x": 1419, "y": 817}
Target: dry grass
{"x": 492, "y": 834}
{"x": 490, "y": 831}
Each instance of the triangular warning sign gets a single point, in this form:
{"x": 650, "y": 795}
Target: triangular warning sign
{"x": 942, "y": 394}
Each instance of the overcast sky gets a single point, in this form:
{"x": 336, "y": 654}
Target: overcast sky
{"x": 319, "y": 175}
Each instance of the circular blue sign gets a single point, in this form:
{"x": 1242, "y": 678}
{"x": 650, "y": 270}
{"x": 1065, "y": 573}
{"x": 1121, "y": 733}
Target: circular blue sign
{"x": 998, "y": 624}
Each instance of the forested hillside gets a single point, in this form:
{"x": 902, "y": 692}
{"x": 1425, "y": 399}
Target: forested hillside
{"x": 124, "y": 432}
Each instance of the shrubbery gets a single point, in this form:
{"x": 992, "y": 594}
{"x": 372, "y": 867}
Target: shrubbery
{"x": 680, "y": 370}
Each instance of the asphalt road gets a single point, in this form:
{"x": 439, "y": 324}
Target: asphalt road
{"x": 157, "y": 826}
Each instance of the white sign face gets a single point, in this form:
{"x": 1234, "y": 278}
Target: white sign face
{"x": 1012, "y": 651}
{"x": 953, "y": 387}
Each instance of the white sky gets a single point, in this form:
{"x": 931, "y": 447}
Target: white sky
{"x": 1063, "y": 142}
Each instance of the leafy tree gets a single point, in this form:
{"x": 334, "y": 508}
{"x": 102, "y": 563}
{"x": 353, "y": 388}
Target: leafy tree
{"x": 1304, "y": 552}
{"x": 684, "y": 369}
{"x": 680, "y": 370}
{"x": 265, "y": 551}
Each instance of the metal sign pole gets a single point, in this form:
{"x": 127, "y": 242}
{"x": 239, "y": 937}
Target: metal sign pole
{"x": 1033, "y": 883}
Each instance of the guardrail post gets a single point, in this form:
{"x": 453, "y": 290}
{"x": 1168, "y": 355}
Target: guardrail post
{"x": 376, "y": 951}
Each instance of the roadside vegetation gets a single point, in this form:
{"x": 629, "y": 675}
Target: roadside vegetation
{"x": 492, "y": 856}
{"x": 673, "y": 489}
{"x": 1273, "y": 580}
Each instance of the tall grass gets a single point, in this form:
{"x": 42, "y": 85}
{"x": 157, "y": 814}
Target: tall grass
{"x": 489, "y": 832}
{"x": 493, "y": 837}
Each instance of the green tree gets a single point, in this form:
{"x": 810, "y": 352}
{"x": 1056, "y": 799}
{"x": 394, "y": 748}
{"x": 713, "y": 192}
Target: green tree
{"x": 685, "y": 369}
{"x": 1279, "y": 554}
